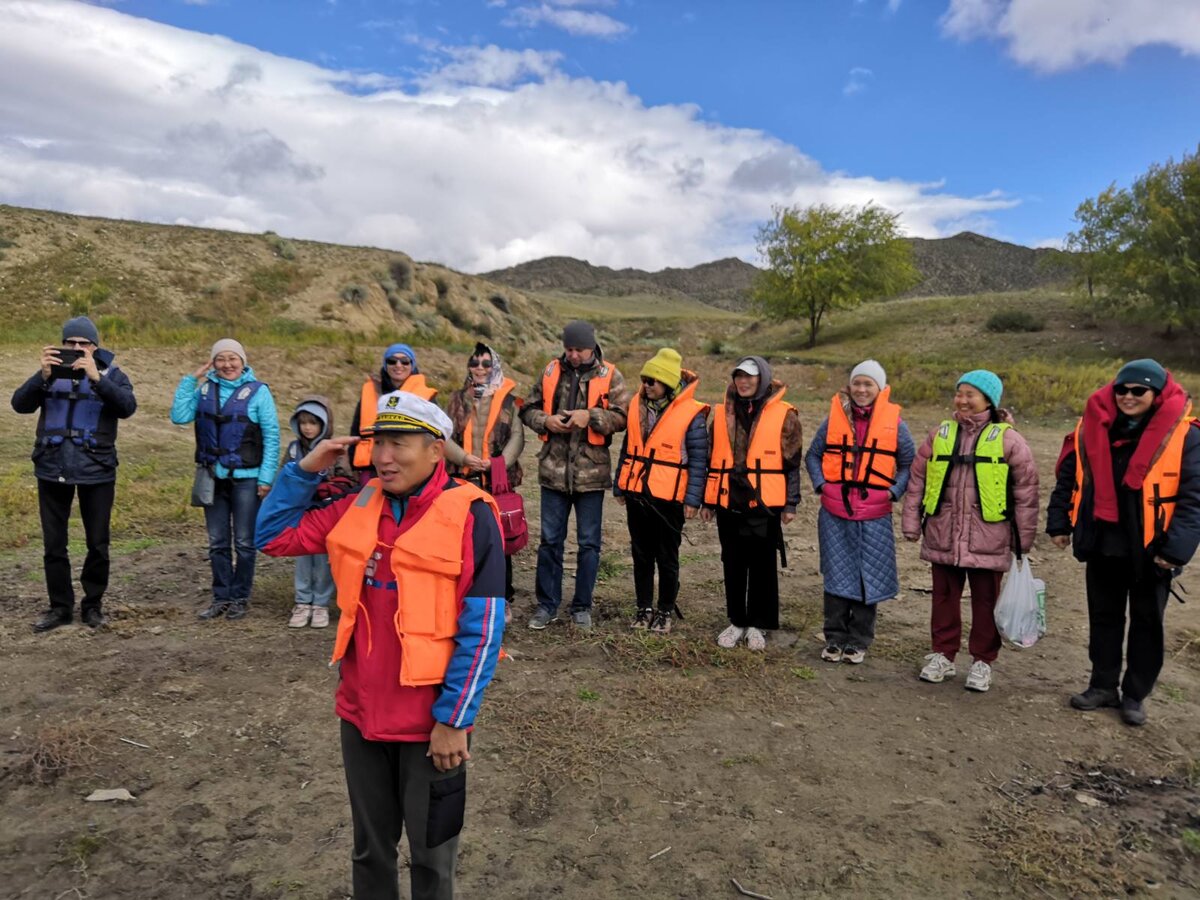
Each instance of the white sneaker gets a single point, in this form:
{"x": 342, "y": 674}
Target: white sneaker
{"x": 730, "y": 636}
{"x": 980, "y": 677}
{"x": 320, "y": 617}
{"x": 937, "y": 668}
{"x": 854, "y": 656}
{"x": 300, "y": 614}
{"x": 756, "y": 640}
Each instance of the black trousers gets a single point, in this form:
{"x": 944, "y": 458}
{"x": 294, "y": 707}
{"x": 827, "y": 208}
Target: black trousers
{"x": 849, "y": 624}
{"x": 1111, "y": 586}
{"x": 95, "y": 508}
{"x": 655, "y": 532}
{"x": 749, "y": 554}
{"x": 393, "y": 787}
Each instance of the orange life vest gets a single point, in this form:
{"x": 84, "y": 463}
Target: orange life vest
{"x": 764, "y": 457}
{"x": 368, "y": 406}
{"x": 655, "y": 464}
{"x": 494, "y": 411}
{"x": 426, "y": 561}
{"x": 1160, "y": 487}
{"x": 876, "y": 458}
{"x": 597, "y": 396}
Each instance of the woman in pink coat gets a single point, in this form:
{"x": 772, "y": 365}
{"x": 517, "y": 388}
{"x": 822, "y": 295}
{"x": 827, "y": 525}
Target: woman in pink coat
{"x": 972, "y": 496}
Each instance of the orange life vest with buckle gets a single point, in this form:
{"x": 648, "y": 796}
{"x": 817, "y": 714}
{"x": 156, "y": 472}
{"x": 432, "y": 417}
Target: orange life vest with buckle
{"x": 494, "y": 412}
{"x": 654, "y": 464}
{"x": 368, "y": 406}
{"x": 873, "y": 465}
{"x": 764, "y": 457}
{"x": 1160, "y": 487}
{"x": 597, "y": 396}
{"x": 426, "y": 561}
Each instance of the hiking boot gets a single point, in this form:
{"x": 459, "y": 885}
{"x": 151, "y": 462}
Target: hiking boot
{"x": 756, "y": 640}
{"x": 300, "y": 615}
{"x": 215, "y": 611}
{"x": 832, "y": 653}
{"x": 93, "y": 618}
{"x": 541, "y": 618}
{"x": 853, "y": 655}
{"x": 661, "y": 623}
{"x": 320, "y": 617}
{"x": 50, "y": 620}
{"x": 980, "y": 677}
{"x": 237, "y": 610}
{"x": 1133, "y": 712}
{"x": 730, "y": 636}
{"x": 582, "y": 619}
{"x": 642, "y": 619}
{"x": 1096, "y": 698}
{"x": 937, "y": 668}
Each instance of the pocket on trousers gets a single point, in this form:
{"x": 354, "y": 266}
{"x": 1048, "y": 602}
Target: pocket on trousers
{"x": 447, "y": 804}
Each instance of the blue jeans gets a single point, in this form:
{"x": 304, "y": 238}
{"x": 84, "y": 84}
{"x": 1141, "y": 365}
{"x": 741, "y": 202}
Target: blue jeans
{"x": 230, "y": 519}
{"x": 556, "y": 507}
{"x": 314, "y": 580}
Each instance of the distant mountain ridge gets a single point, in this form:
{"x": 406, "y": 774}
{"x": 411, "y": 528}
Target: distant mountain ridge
{"x": 966, "y": 263}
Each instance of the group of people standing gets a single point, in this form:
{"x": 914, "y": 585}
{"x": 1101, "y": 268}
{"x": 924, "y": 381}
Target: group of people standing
{"x": 399, "y": 521}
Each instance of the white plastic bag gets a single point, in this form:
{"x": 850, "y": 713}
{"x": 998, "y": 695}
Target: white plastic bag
{"x": 1019, "y": 615}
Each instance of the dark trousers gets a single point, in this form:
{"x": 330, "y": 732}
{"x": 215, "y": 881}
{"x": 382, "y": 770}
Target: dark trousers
{"x": 946, "y": 619}
{"x": 655, "y": 532}
{"x": 556, "y": 507}
{"x": 849, "y": 623}
{"x": 230, "y": 520}
{"x": 1111, "y": 586}
{"x": 390, "y": 783}
{"x": 749, "y": 548}
{"x": 95, "y": 508}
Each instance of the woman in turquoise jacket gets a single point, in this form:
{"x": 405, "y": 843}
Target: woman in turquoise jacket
{"x": 237, "y": 439}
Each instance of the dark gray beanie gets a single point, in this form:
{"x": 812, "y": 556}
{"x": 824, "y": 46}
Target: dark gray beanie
{"x": 81, "y": 327}
{"x": 1143, "y": 371}
{"x": 579, "y": 334}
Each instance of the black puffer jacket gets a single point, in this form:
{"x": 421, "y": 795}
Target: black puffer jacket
{"x": 67, "y": 462}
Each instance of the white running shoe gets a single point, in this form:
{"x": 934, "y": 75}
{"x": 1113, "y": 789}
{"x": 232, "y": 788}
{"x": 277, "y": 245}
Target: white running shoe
{"x": 756, "y": 640}
{"x": 980, "y": 677}
{"x": 300, "y": 614}
{"x": 730, "y": 636}
{"x": 320, "y": 617}
{"x": 937, "y": 668}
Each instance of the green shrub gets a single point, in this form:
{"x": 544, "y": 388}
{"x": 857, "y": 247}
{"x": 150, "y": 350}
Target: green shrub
{"x": 450, "y": 313}
{"x": 354, "y": 293}
{"x": 402, "y": 273}
{"x": 283, "y": 248}
{"x": 1008, "y": 320}
{"x": 715, "y": 346}
{"x": 501, "y": 303}
{"x": 483, "y": 328}
{"x": 442, "y": 283}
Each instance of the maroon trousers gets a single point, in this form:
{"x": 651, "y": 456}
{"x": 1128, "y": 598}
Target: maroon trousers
{"x": 946, "y": 619}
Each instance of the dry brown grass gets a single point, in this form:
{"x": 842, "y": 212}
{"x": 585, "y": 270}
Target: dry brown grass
{"x": 53, "y": 751}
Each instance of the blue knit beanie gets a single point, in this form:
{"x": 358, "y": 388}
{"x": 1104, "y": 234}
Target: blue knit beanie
{"x": 81, "y": 327}
{"x": 988, "y": 384}
{"x": 401, "y": 350}
{"x": 1143, "y": 371}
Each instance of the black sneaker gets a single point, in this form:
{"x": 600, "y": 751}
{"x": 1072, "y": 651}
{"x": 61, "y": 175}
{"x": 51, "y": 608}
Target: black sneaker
{"x": 93, "y": 618}
{"x": 1096, "y": 698}
{"x": 643, "y": 618}
{"x": 660, "y": 623}
{"x": 52, "y": 619}
{"x": 1133, "y": 712}
{"x": 215, "y": 611}
{"x": 237, "y": 610}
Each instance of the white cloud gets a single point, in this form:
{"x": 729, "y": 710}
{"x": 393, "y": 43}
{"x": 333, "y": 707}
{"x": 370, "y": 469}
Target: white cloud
{"x": 496, "y": 158}
{"x": 1064, "y": 34}
{"x": 857, "y": 81}
{"x": 578, "y": 22}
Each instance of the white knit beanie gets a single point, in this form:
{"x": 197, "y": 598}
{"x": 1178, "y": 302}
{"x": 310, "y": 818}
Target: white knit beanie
{"x": 229, "y": 345}
{"x": 872, "y": 370}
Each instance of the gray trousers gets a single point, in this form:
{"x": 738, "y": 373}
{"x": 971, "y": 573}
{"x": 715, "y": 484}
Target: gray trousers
{"x": 391, "y": 784}
{"x": 849, "y": 623}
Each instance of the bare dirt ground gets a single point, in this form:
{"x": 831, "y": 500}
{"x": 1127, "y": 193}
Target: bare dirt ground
{"x": 594, "y": 753}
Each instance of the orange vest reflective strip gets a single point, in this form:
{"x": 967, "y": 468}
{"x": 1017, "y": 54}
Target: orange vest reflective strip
{"x": 1160, "y": 487}
{"x": 506, "y": 387}
{"x": 655, "y": 465}
{"x": 876, "y": 463}
{"x": 426, "y": 562}
{"x": 764, "y": 457}
{"x": 597, "y": 395}
{"x": 368, "y": 406}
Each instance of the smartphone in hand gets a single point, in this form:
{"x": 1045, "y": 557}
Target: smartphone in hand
{"x": 68, "y": 355}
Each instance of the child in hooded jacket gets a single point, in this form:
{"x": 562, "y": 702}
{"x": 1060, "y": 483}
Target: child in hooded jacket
{"x": 972, "y": 494}
{"x": 312, "y": 422}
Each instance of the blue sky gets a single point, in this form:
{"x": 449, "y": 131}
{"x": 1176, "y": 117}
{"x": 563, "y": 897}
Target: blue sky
{"x": 630, "y": 133}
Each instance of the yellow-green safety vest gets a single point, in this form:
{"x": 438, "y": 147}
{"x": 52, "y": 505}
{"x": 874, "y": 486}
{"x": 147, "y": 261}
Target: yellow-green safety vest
{"x": 991, "y": 469}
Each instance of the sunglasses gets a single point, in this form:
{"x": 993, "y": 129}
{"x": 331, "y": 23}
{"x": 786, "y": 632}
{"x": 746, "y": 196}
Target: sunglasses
{"x": 77, "y": 342}
{"x": 475, "y": 363}
{"x": 398, "y": 361}
{"x": 1138, "y": 391}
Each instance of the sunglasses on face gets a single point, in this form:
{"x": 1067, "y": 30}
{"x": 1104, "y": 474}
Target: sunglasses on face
{"x": 474, "y": 363}
{"x": 1138, "y": 391}
{"x": 77, "y": 342}
{"x": 398, "y": 361}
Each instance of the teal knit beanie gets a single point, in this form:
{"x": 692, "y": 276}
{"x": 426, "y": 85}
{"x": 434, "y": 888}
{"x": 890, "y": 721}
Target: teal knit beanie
{"x": 987, "y": 383}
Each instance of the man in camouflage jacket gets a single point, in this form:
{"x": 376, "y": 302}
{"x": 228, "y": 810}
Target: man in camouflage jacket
{"x": 576, "y": 407}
